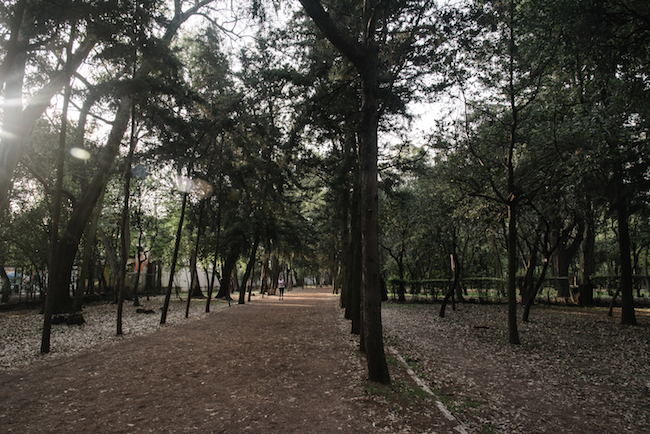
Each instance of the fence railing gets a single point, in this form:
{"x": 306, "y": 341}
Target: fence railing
{"x": 490, "y": 289}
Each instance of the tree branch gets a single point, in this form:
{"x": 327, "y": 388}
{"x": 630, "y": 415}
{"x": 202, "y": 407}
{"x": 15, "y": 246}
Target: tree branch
{"x": 27, "y": 162}
{"x": 349, "y": 47}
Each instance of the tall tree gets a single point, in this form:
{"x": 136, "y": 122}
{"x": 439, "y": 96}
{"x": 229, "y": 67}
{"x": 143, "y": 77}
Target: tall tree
{"x": 605, "y": 73}
{"x": 56, "y": 205}
{"x": 153, "y": 62}
{"x": 60, "y": 270}
{"x": 511, "y": 54}
{"x": 364, "y": 55}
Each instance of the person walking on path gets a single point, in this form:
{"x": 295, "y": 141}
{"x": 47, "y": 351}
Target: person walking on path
{"x": 281, "y": 286}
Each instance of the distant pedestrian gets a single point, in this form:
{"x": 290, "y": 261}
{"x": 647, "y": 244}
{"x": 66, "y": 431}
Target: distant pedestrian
{"x": 281, "y": 286}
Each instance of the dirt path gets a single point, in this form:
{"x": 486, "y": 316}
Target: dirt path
{"x": 269, "y": 366}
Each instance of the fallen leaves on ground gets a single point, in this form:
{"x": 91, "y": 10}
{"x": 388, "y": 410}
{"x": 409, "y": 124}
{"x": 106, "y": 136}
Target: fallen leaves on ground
{"x": 21, "y": 330}
{"x": 576, "y": 370}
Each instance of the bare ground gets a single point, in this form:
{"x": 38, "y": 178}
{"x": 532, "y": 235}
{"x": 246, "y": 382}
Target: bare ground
{"x": 292, "y": 366}
{"x": 269, "y": 366}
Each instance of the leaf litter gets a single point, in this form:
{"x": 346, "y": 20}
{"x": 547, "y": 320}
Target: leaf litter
{"x": 577, "y": 370}
{"x": 21, "y": 330}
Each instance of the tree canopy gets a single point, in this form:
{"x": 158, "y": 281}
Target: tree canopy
{"x": 283, "y": 140}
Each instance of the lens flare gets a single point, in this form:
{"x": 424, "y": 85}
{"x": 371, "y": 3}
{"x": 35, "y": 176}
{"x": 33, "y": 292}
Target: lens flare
{"x": 79, "y": 153}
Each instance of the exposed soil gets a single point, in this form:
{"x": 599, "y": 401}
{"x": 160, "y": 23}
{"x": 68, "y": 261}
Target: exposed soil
{"x": 291, "y": 366}
{"x": 270, "y": 366}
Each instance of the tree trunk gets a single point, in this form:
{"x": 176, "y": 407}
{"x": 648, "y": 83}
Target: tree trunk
{"x": 532, "y": 292}
{"x": 125, "y": 239}
{"x": 138, "y": 270}
{"x": 627, "y": 291}
{"x": 86, "y": 274}
{"x": 401, "y": 291}
{"x": 368, "y": 154}
{"x": 110, "y": 255}
{"x": 249, "y": 268}
{"x": 528, "y": 282}
{"x": 512, "y": 199}
{"x": 455, "y": 269}
{"x": 264, "y": 272}
{"x": 172, "y": 269}
{"x": 513, "y": 332}
{"x": 563, "y": 257}
{"x": 561, "y": 263}
{"x": 355, "y": 279}
{"x": 587, "y": 260}
{"x": 226, "y": 273}
{"x": 365, "y": 57}
{"x": 344, "y": 256}
{"x": 217, "y": 247}
{"x": 54, "y": 292}
{"x": 195, "y": 287}
{"x": 274, "y": 272}
{"x": 250, "y": 285}
{"x": 6, "y": 284}
{"x": 150, "y": 279}
{"x": 234, "y": 282}
{"x": 214, "y": 276}
{"x": 61, "y": 268}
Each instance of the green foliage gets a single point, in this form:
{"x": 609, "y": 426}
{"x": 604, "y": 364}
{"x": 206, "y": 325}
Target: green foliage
{"x": 555, "y": 109}
{"x": 401, "y": 394}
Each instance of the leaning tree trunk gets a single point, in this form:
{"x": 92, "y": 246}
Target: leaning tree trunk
{"x": 531, "y": 293}
{"x": 195, "y": 287}
{"x": 69, "y": 244}
{"x": 88, "y": 256}
{"x": 172, "y": 269}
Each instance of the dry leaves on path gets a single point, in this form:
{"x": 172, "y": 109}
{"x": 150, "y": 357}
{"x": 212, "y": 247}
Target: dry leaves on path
{"x": 270, "y": 366}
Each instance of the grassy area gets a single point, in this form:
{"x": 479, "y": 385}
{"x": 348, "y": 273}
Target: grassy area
{"x": 400, "y": 394}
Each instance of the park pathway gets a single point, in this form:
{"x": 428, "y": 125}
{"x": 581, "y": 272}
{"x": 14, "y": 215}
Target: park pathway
{"x": 265, "y": 367}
